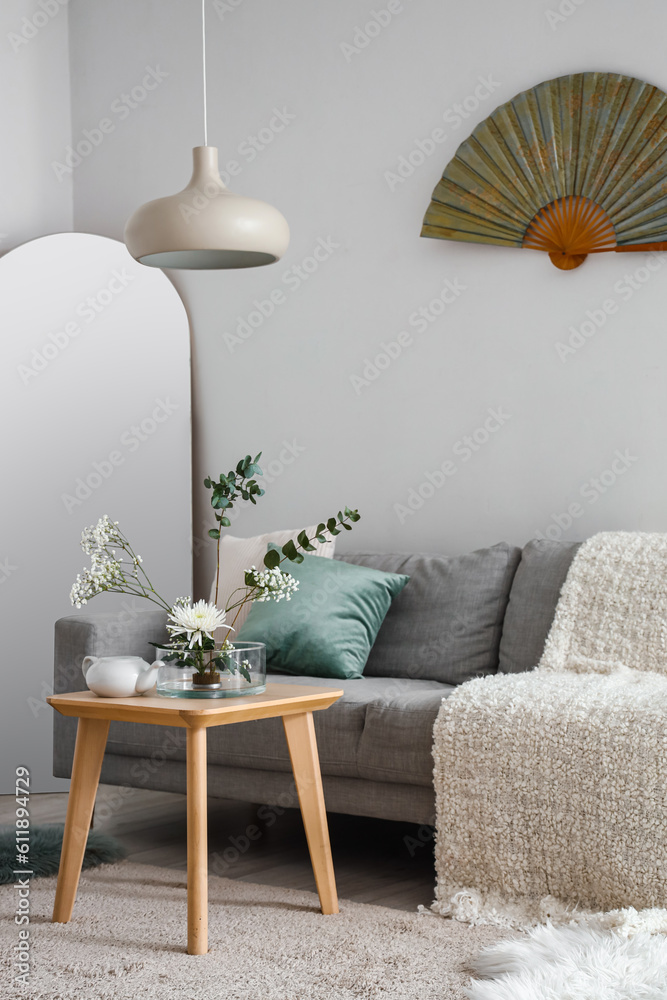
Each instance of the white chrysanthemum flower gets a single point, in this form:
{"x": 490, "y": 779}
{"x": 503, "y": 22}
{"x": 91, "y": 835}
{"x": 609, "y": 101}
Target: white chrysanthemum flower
{"x": 197, "y": 621}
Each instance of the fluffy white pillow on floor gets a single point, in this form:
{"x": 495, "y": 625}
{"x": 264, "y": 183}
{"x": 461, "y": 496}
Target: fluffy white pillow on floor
{"x": 239, "y": 554}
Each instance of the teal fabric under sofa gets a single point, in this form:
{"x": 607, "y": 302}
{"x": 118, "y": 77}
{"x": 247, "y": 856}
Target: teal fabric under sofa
{"x": 458, "y": 618}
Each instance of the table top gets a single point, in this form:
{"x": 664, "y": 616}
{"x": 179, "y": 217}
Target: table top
{"x": 277, "y": 700}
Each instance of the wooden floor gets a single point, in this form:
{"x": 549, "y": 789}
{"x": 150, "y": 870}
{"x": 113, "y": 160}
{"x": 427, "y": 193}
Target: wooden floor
{"x": 376, "y": 861}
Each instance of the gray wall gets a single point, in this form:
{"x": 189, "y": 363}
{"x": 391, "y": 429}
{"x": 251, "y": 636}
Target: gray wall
{"x": 351, "y": 116}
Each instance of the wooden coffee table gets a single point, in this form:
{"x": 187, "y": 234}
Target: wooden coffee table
{"x": 294, "y": 703}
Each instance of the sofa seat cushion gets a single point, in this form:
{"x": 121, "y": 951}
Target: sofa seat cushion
{"x": 380, "y": 729}
{"x": 397, "y": 740}
{"x": 533, "y": 598}
{"x": 446, "y": 624}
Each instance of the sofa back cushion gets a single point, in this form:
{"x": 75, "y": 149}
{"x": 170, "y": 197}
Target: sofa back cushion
{"x": 532, "y": 604}
{"x": 446, "y": 624}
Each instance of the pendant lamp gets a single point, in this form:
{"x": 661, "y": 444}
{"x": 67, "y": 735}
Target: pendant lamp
{"x": 205, "y": 226}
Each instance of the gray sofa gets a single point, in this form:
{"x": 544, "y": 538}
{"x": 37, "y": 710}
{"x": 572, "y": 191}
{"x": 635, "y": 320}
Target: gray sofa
{"x": 458, "y": 618}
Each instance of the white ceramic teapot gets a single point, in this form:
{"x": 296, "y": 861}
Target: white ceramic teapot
{"x": 119, "y": 676}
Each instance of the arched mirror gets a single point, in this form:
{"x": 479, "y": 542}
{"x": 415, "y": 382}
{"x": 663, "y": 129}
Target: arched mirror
{"x": 95, "y": 382}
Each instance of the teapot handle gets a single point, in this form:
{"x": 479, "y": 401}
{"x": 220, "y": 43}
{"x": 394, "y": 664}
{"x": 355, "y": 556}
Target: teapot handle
{"x": 147, "y": 678}
{"x": 87, "y": 663}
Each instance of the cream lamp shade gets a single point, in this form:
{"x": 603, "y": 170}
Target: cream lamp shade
{"x": 205, "y": 226}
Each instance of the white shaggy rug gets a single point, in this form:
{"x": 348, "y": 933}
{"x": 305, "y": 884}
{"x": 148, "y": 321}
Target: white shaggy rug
{"x": 127, "y": 940}
{"x": 569, "y": 963}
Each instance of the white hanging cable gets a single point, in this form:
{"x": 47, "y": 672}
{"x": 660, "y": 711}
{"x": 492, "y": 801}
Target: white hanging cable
{"x": 203, "y": 62}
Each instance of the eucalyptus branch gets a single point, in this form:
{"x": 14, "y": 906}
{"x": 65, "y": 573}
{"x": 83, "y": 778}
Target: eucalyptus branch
{"x": 226, "y": 491}
{"x": 293, "y": 551}
{"x": 217, "y": 570}
{"x": 270, "y": 583}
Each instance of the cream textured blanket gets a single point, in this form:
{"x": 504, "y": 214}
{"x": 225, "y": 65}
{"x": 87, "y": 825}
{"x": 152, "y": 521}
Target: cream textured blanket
{"x": 551, "y": 786}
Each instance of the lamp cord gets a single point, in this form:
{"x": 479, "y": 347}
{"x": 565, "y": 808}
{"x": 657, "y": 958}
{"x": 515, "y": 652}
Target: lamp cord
{"x": 203, "y": 48}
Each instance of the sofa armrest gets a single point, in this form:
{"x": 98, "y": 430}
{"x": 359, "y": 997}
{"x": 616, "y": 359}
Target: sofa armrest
{"x": 107, "y": 633}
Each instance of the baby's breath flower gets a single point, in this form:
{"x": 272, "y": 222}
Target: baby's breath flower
{"x": 271, "y": 584}
{"x": 104, "y": 574}
{"x": 100, "y": 535}
{"x": 113, "y": 566}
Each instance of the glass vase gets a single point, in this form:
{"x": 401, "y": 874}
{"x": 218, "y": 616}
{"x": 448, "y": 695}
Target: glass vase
{"x": 222, "y": 673}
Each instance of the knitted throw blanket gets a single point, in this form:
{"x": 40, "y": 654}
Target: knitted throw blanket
{"x": 551, "y": 786}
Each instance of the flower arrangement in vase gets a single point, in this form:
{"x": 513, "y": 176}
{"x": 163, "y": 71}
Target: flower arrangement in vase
{"x": 195, "y": 661}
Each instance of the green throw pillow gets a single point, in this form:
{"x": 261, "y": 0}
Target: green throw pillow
{"x": 329, "y": 625}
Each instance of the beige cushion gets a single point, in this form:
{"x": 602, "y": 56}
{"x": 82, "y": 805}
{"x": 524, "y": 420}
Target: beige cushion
{"x": 238, "y": 554}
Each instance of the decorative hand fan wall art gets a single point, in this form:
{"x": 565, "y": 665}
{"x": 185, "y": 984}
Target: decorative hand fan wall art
{"x": 574, "y": 166}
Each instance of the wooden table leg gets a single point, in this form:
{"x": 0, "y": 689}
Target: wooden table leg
{"x": 300, "y": 732}
{"x": 197, "y": 843}
{"x": 91, "y": 739}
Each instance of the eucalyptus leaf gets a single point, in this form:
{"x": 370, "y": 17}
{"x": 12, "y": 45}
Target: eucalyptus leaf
{"x": 289, "y": 551}
{"x": 305, "y": 542}
{"x": 272, "y": 559}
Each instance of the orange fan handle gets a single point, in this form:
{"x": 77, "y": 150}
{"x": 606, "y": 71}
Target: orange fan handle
{"x": 570, "y": 228}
